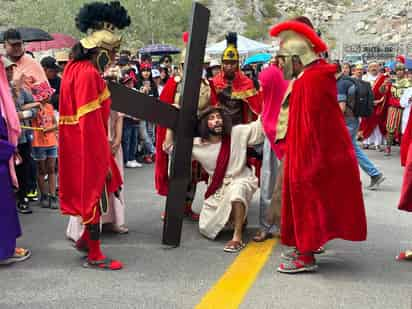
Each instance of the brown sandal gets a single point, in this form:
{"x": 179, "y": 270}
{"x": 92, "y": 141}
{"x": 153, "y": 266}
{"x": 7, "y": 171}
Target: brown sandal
{"x": 261, "y": 236}
{"x": 234, "y": 246}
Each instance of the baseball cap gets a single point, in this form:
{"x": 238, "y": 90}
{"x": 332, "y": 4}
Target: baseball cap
{"x": 155, "y": 73}
{"x": 49, "y": 63}
{"x": 12, "y": 36}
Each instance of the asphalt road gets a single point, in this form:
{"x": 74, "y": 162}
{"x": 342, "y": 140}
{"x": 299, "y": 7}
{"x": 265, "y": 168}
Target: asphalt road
{"x": 351, "y": 275}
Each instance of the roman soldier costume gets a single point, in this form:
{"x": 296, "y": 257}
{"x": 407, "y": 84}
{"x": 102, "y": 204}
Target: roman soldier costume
{"x": 236, "y": 93}
{"x": 393, "y": 123}
{"x": 87, "y": 168}
{"x": 314, "y": 207}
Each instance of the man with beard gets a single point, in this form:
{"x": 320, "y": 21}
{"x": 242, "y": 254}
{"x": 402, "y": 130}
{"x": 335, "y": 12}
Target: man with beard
{"x": 88, "y": 172}
{"x": 235, "y": 91}
{"x": 372, "y": 128}
{"x": 322, "y": 197}
{"x": 395, "y": 91}
{"x": 221, "y": 150}
{"x": 171, "y": 95}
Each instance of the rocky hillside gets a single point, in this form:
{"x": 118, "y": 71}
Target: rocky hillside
{"x": 341, "y": 21}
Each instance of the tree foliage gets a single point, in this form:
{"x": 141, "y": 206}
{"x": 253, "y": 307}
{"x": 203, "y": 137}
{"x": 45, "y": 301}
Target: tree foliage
{"x": 153, "y": 21}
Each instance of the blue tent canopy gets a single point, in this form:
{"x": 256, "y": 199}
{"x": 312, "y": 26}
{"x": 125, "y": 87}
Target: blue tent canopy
{"x": 245, "y": 47}
{"x": 258, "y": 58}
{"x": 392, "y": 63}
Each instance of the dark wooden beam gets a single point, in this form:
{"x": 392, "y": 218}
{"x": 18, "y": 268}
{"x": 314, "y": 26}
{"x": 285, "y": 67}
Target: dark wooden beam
{"x": 133, "y": 103}
{"x": 184, "y": 133}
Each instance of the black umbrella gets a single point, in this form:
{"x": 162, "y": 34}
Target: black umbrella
{"x": 159, "y": 49}
{"x": 30, "y": 35}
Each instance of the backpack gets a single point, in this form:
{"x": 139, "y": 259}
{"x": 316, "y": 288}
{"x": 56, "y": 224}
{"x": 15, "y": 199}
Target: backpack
{"x": 361, "y": 102}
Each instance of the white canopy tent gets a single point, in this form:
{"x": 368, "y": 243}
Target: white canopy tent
{"x": 245, "y": 46}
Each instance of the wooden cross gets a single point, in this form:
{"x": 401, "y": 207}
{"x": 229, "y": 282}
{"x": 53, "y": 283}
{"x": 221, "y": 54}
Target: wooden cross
{"x": 182, "y": 122}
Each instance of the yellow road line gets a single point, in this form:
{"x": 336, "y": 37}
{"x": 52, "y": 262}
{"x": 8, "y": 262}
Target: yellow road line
{"x": 230, "y": 290}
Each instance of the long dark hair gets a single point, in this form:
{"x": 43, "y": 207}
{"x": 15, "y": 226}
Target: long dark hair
{"x": 153, "y": 86}
{"x": 80, "y": 53}
{"x": 203, "y": 128}
{"x": 164, "y": 80}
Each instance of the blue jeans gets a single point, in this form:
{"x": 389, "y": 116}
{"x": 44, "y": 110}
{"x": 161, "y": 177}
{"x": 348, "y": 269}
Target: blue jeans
{"x": 267, "y": 185}
{"x": 148, "y": 147}
{"x": 366, "y": 165}
{"x": 151, "y": 131}
{"x": 129, "y": 141}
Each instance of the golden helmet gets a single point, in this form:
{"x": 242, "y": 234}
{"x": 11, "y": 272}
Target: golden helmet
{"x": 299, "y": 39}
{"x": 100, "y": 20}
{"x": 231, "y": 53}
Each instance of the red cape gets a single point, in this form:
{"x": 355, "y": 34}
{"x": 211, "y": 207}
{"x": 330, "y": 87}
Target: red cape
{"x": 322, "y": 195}
{"x": 273, "y": 89}
{"x": 405, "y": 202}
{"x": 243, "y": 89}
{"x": 84, "y": 153}
{"x": 406, "y": 142}
{"x": 162, "y": 158}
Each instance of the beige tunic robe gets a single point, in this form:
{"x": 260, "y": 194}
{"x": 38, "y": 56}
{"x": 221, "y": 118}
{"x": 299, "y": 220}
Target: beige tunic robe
{"x": 239, "y": 184}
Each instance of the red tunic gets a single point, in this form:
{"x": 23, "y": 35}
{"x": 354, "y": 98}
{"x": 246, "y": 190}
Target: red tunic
{"x": 162, "y": 158}
{"x": 84, "y": 153}
{"x": 322, "y": 195}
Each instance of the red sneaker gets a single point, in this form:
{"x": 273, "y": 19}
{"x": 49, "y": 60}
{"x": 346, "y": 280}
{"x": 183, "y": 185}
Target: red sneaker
{"x": 301, "y": 264}
{"x": 104, "y": 264}
{"x": 148, "y": 160}
{"x": 189, "y": 212}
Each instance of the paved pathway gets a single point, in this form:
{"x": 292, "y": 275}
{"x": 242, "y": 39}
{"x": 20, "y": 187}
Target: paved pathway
{"x": 351, "y": 275}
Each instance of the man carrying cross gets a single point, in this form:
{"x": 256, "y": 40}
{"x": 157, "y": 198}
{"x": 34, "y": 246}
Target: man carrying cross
{"x": 182, "y": 122}
{"x": 221, "y": 150}
{"x": 171, "y": 95}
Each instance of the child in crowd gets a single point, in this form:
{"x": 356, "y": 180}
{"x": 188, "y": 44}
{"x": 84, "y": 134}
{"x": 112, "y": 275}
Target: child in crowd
{"x": 45, "y": 144}
{"x": 130, "y": 131}
{"x": 147, "y": 86}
